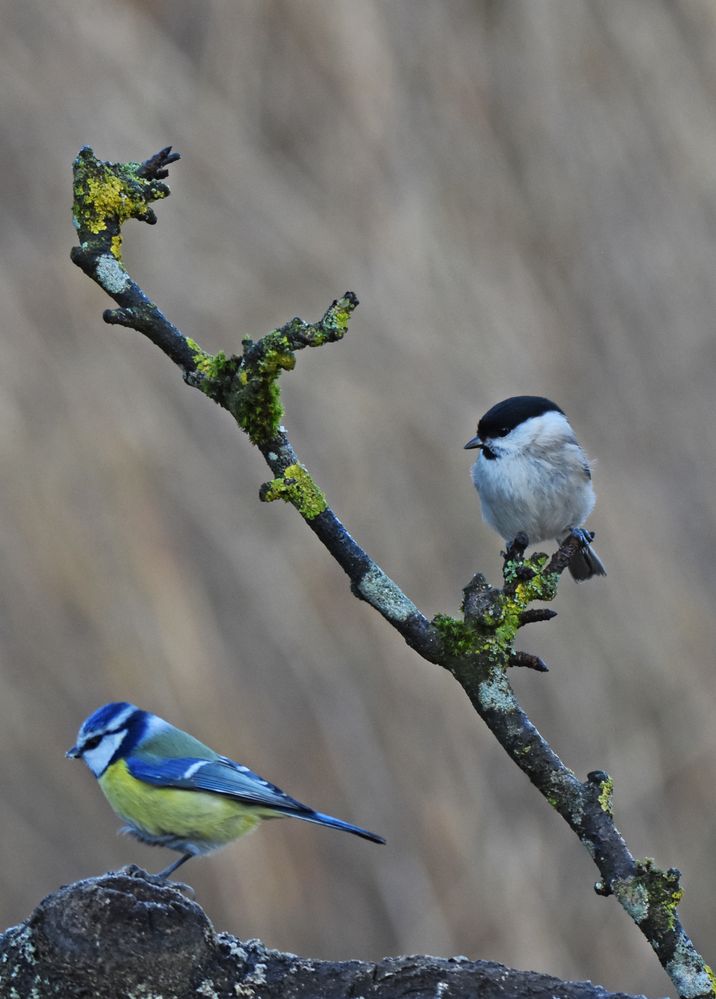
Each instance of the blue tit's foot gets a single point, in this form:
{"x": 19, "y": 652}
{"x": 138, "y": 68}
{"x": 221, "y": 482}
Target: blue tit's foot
{"x": 134, "y": 871}
{"x": 164, "y": 874}
{"x": 160, "y": 879}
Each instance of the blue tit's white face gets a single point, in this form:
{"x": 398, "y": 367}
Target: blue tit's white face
{"x": 103, "y": 733}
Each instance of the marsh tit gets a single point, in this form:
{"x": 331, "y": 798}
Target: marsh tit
{"x": 174, "y": 791}
{"x": 533, "y": 477}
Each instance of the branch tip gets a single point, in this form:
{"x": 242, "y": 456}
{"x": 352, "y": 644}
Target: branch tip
{"x": 526, "y": 660}
{"x": 156, "y": 166}
{"x": 535, "y": 614}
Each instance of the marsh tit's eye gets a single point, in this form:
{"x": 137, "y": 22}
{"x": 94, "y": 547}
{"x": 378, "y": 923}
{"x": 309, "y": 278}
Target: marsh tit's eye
{"x": 502, "y": 432}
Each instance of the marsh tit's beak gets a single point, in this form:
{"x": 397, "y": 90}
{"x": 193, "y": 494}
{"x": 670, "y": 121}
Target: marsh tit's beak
{"x": 72, "y": 754}
{"x": 471, "y": 444}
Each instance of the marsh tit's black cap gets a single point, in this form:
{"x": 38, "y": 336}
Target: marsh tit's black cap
{"x": 508, "y": 414}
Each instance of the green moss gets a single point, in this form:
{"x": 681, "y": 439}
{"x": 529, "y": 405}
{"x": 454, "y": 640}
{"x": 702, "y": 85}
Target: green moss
{"x": 492, "y": 634}
{"x": 658, "y": 893}
{"x": 460, "y": 639}
{"x": 335, "y": 321}
{"x": 665, "y": 893}
{"x": 248, "y": 386}
{"x": 495, "y": 616}
{"x": 196, "y": 349}
{"x": 211, "y": 365}
{"x": 506, "y": 630}
{"x": 255, "y": 399}
{"x": 258, "y": 410}
{"x": 297, "y": 487}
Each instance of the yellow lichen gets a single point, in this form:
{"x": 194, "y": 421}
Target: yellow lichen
{"x": 296, "y": 486}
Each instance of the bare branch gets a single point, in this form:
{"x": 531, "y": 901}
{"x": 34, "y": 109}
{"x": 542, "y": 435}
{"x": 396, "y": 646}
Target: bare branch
{"x": 477, "y": 648}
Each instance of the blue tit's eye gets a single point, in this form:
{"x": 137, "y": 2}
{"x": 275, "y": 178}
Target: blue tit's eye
{"x": 93, "y": 742}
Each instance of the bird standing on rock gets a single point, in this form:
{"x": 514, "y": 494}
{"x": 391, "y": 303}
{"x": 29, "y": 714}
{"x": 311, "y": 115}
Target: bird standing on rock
{"x": 174, "y": 791}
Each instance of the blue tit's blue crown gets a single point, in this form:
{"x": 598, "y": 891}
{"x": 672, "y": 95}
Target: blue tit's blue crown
{"x": 119, "y": 716}
{"x": 508, "y": 414}
{"x": 105, "y": 718}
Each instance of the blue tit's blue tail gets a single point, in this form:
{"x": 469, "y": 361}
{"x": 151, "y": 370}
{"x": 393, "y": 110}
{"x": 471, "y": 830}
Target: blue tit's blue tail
{"x": 327, "y": 820}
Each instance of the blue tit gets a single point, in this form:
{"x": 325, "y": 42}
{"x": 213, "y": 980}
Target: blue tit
{"x": 174, "y": 791}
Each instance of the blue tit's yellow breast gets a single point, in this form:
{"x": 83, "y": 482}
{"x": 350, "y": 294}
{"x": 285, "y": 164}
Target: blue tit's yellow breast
{"x": 196, "y": 816}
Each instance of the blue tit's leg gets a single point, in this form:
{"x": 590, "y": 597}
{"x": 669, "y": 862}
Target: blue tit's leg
{"x": 164, "y": 874}
{"x": 133, "y": 871}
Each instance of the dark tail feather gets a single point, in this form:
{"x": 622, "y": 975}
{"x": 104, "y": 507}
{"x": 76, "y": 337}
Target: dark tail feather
{"x": 327, "y": 820}
{"x": 585, "y": 564}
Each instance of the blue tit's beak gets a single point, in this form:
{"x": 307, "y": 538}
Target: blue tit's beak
{"x": 73, "y": 754}
{"x": 471, "y": 444}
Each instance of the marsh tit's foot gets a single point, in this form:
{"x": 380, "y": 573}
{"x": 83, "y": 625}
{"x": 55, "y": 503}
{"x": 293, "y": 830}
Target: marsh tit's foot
{"x": 516, "y": 548}
{"x": 585, "y": 538}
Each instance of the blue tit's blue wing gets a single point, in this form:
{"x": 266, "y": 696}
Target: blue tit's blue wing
{"x": 219, "y": 776}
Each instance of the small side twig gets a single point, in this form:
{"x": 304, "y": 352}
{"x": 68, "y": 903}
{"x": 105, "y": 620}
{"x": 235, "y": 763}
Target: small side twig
{"x": 526, "y": 660}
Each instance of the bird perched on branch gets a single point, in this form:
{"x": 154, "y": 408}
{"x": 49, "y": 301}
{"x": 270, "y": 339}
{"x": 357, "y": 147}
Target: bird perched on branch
{"x": 533, "y": 477}
{"x": 174, "y": 791}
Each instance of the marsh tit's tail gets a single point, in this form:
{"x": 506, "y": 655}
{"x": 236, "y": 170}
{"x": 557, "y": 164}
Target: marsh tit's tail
{"x": 586, "y": 563}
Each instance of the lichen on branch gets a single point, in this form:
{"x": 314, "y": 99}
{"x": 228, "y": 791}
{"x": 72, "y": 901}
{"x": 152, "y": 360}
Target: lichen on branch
{"x": 247, "y": 385}
{"x": 492, "y": 617}
{"x": 296, "y": 486}
{"x": 107, "y": 194}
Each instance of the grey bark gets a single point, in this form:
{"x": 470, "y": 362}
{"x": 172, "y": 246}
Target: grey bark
{"x": 123, "y": 935}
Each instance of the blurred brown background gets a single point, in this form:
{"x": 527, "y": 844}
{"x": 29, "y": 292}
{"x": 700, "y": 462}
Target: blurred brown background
{"x": 523, "y": 195}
